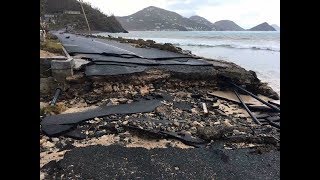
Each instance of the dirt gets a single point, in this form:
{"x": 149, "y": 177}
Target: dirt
{"x": 46, "y": 54}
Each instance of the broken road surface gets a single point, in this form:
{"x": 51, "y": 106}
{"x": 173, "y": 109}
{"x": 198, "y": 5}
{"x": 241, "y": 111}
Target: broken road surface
{"x": 107, "y": 162}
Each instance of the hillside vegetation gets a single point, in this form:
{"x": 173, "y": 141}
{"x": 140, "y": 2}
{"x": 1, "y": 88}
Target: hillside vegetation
{"x": 97, "y": 20}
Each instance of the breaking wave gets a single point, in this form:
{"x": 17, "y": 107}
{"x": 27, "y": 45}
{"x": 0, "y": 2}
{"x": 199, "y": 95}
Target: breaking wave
{"x": 253, "y": 47}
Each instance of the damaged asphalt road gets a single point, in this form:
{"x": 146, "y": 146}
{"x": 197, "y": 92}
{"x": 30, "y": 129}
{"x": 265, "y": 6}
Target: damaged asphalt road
{"x": 114, "y": 161}
{"x": 53, "y": 125}
{"x": 151, "y": 115}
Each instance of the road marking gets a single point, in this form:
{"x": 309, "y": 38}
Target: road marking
{"x": 70, "y": 45}
{"x": 109, "y": 45}
{"x": 114, "y": 47}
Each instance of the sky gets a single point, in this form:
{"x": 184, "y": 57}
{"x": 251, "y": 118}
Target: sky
{"x": 246, "y": 13}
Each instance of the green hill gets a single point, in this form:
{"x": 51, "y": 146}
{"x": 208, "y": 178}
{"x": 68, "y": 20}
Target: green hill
{"x": 97, "y": 20}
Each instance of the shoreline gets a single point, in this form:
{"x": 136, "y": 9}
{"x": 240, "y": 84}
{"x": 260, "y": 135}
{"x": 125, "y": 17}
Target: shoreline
{"x": 140, "y": 43}
{"x": 180, "y": 115}
{"x": 265, "y": 63}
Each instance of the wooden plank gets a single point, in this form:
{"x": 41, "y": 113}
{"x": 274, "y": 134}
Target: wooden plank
{"x": 230, "y": 96}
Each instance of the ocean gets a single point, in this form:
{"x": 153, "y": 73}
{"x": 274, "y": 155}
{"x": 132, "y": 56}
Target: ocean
{"x": 252, "y": 50}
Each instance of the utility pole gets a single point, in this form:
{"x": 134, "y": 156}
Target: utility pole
{"x": 80, "y": 1}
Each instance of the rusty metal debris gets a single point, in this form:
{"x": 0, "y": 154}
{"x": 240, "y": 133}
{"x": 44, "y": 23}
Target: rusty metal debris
{"x": 248, "y": 110}
{"x": 257, "y": 98}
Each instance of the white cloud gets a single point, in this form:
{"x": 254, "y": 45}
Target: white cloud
{"x": 246, "y": 13}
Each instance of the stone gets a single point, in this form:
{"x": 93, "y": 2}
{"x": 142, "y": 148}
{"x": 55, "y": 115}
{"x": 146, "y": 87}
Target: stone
{"x": 42, "y": 175}
{"x": 193, "y": 129}
{"x": 43, "y": 105}
{"x": 237, "y": 132}
{"x": 115, "y": 88}
{"x": 144, "y": 90}
{"x": 214, "y": 132}
{"x": 54, "y": 139}
{"x": 196, "y": 124}
{"x": 116, "y": 139}
{"x": 47, "y": 85}
{"x": 125, "y": 122}
{"x": 215, "y": 105}
{"x": 100, "y": 133}
{"x": 176, "y": 123}
{"x": 185, "y": 132}
{"x": 176, "y": 168}
{"x": 48, "y": 144}
{"x": 122, "y": 100}
{"x": 182, "y": 94}
{"x": 107, "y": 88}
{"x": 227, "y": 123}
{"x": 127, "y": 140}
{"x": 42, "y": 141}
{"x": 194, "y": 111}
{"x": 217, "y": 123}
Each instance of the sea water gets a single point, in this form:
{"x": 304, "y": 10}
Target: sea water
{"x": 252, "y": 50}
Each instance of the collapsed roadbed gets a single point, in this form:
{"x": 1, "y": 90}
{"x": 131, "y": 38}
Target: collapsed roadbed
{"x": 123, "y": 94}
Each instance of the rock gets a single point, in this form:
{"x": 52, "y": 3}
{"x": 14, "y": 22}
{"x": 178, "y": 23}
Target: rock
{"x": 194, "y": 111}
{"x": 193, "y": 129}
{"x": 144, "y": 90}
{"x": 176, "y": 123}
{"x": 127, "y": 140}
{"x": 125, "y": 122}
{"x": 215, "y": 105}
{"x": 186, "y": 132}
{"x": 54, "y": 139}
{"x": 43, "y": 105}
{"x": 116, "y": 139}
{"x": 115, "y": 88}
{"x": 122, "y": 100}
{"x": 176, "y": 168}
{"x": 163, "y": 110}
{"x": 196, "y": 124}
{"x": 237, "y": 132}
{"x": 217, "y": 123}
{"x": 182, "y": 94}
{"x": 227, "y": 123}
{"x": 42, "y": 141}
{"x": 48, "y": 144}
{"x": 171, "y": 144}
{"x": 214, "y": 133}
{"x": 42, "y": 175}
{"x": 100, "y": 133}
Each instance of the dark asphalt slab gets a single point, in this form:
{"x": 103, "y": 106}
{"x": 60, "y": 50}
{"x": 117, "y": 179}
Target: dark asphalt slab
{"x": 76, "y": 43}
{"x": 186, "y": 71}
{"x": 55, "y": 124}
{"x": 102, "y": 53}
{"x": 117, "y": 162}
{"x": 140, "y": 61}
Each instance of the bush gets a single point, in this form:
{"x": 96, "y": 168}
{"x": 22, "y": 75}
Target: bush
{"x": 52, "y": 46}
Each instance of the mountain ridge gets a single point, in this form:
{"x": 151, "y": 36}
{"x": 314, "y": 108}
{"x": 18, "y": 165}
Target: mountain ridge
{"x": 262, "y": 27}
{"x": 157, "y": 19}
